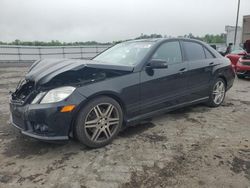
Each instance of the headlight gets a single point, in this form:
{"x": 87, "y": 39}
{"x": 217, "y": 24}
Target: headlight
{"x": 54, "y": 95}
{"x": 38, "y": 98}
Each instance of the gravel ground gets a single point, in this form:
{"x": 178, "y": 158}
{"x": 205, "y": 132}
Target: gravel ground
{"x": 192, "y": 147}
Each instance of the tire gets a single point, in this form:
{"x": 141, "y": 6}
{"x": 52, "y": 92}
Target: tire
{"x": 218, "y": 90}
{"x": 99, "y": 122}
{"x": 240, "y": 76}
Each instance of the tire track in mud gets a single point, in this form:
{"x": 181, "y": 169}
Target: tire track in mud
{"x": 241, "y": 163}
{"x": 169, "y": 174}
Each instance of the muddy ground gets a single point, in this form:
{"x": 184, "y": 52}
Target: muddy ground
{"x": 192, "y": 147}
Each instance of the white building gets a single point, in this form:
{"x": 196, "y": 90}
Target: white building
{"x": 230, "y": 31}
{"x": 246, "y": 28}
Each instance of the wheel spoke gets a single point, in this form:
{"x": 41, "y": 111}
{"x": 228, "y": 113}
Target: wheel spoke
{"x": 221, "y": 87}
{"x": 107, "y": 132}
{"x": 91, "y": 123}
{"x": 96, "y": 134}
{"x": 219, "y": 99}
{"x": 109, "y": 110}
{"x": 215, "y": 92}
{"x": 98, "y": 111}
{"x": 217, "y": 86}
{"x": 216, "y": 98}
{"x": 113, "y": 121}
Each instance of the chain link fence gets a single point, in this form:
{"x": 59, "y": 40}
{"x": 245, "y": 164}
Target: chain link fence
{"x": 13, "y": 54}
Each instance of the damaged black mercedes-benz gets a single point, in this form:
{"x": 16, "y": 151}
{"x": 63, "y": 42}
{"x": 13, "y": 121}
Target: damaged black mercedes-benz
{"x": 92, "y": 99}
{"x": 44, "y": 103}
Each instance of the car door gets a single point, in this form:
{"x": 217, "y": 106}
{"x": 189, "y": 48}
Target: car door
{"x": 200, "y": 63}
{"x": 165, "y": 87}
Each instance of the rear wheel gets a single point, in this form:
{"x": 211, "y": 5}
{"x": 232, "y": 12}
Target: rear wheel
{"x": 99, "y": 122}
{"x": 217, "y": 94}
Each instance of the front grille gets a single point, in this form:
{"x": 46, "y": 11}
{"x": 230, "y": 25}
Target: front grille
{"x": 24, "y": 90}
{"x": 18, "y": 120}
{"x": 246, "y": 63}
{"x": 246, "y": 56}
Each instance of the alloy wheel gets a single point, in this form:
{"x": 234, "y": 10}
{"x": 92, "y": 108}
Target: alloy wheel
{"x": 219, "y": 92}
{"x": 101, "y": 122}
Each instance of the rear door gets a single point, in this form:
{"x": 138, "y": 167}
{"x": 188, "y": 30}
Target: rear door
{"x": 200, "y": 63}
{"x": 164, "y": 87}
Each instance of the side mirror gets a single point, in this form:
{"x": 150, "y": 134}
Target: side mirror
{"x": 157, "y": 64}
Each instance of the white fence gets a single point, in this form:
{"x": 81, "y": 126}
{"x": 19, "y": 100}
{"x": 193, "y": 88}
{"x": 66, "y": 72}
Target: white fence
{"x": 11, "y": 53}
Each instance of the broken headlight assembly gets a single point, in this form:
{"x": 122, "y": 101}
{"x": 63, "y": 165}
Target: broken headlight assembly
{"x": 53, "y": 95}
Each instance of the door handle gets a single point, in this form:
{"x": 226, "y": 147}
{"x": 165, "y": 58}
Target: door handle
{"x": 181, "y": 71}
{"x": 212, "y": 63}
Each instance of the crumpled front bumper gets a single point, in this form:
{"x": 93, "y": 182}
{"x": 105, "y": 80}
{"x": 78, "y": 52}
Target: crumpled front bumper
{"x": 40, "y": 137}
{"x": 45, "y": 121}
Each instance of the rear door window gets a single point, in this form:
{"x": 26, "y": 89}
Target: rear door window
{"x": 193, "y": 51}
{"x": 209, "y": 55}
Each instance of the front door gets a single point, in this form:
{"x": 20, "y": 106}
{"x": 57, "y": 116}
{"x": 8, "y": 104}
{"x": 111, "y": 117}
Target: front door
{"x": 165, "y": 87}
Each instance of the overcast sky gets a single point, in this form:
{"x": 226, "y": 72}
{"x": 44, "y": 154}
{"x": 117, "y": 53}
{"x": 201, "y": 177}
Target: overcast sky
{"x": 109, "y": 20}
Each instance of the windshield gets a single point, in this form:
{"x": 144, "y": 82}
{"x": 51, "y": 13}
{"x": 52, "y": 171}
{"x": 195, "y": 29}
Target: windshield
{"x": 237, "y": 50}
{"x": 127, "y": 53}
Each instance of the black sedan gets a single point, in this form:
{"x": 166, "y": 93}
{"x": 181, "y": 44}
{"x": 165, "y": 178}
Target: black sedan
{"x": 93, "y": 100}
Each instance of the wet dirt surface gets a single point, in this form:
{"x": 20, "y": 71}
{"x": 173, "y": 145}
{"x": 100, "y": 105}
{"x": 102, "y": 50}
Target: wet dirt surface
{"x": 192, "y": 147}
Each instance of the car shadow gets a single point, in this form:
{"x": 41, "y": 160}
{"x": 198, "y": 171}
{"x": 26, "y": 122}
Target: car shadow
{"x": 136, "y": 129}
{"x": 25, "y": 147}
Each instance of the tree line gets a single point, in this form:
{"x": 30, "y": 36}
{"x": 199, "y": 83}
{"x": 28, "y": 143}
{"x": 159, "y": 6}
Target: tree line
{"x": 52, "y": 43}
{"x": 209, "y": 38}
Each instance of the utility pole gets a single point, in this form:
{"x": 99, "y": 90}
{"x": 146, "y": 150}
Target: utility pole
{"x": 236, "y": 25}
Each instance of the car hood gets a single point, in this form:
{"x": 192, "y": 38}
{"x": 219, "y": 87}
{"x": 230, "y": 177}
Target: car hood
{"x": 42, "y": 71}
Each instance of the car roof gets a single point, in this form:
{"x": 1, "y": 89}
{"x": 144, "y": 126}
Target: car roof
{"x": 163, "y": 39}
{"x": 144, "y": 40}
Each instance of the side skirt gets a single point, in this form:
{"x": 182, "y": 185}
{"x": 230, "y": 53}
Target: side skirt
{"x": 139, "y": 118}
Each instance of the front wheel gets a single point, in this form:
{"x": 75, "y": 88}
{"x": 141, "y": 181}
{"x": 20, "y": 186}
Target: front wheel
{"x": 99, "y": 122}
{"x": 217, "y": 94}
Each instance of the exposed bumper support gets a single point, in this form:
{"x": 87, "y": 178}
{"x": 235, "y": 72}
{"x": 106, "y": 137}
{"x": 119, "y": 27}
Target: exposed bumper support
{"x": 40, "y": 137}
